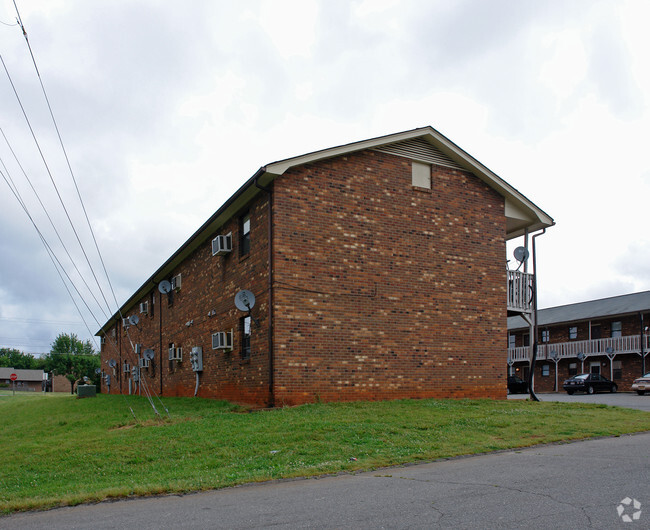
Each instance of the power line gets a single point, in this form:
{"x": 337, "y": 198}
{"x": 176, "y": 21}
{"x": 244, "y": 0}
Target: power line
{"x": 53, "y": 257}
{"x": 74, "y": 180}
{"x": 65, "y": 248}
{"x": 47, "y": 168}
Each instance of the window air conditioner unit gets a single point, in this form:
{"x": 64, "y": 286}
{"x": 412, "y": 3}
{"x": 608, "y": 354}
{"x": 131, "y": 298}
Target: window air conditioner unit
{"x": 175, "y": 354}
{"x": 144, "y": 363}
{"x": 222, "y": 244}
{"x": 144, "y": 307}
{"x": 176, "y": 282}
{"x": 222, "y": 340}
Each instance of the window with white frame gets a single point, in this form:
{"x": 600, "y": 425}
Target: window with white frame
{"x": 244, "y": 235}
{"x": 546, "y": 370}
{"x": 617, "y": 329}
{"x": 573, "y": 369}
{"x": 546, "y": 335}
{"x": 511, "y": 341}
{"x": 245, "y": 328}
{"x": 573, "y": 332}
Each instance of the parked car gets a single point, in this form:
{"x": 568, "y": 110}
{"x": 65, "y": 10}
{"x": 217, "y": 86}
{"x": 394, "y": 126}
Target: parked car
{"x": 516, "y": 385}
{"x": 589, "y": 383}
{"x": 642, "y": 384}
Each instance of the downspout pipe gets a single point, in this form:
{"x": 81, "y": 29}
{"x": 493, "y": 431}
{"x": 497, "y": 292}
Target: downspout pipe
{"x": 160, "y": 340}
{"x": 531, "y": 376}
{"x": 642, "y": 343}
{"x": 269, "y": 192}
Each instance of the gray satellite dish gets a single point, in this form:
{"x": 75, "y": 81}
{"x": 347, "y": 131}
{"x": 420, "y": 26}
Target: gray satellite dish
{"x": 165, "y": 287}
{"x": 244, "y": 300}
{"x": 112, "y": 363}
{"x": 553, "y": 355}
{"x": 581, "y": 356}
{"x": 609, "y": 349}
{"x": 521, "y": 254}
{"x": 134, "y": 319}
{"x": 149, "y": 354}
{"x": 98, "y": 370}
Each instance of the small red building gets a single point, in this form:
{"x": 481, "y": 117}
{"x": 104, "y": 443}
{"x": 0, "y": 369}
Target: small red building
{"x": 27, "y": 380}
{"x": 378, "y": 271}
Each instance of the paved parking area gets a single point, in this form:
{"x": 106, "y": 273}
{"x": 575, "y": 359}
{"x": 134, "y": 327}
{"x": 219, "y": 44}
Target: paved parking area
{"x": 629, "y": 400}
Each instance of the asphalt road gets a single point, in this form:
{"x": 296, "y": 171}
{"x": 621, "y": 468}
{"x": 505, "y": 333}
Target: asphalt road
{"x": 620, "y": 399}
{"x": 576, "y": 485}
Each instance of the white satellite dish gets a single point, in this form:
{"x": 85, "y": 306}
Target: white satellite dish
{"x": 244, "y": 300}
{"x": 165, "y": 287}
{"x": 134, "y": 319}
{"x": 149, "y": 354}
{"x": 521, "y": 254}
{"x": 112, "y": 363}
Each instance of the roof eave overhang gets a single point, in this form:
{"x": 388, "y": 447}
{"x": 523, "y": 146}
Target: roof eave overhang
{"x": 527, "y": 217}
{"x": 238, "y": 201}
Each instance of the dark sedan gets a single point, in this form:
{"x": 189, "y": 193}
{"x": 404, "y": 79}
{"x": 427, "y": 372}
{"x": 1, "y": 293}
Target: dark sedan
{"x": 589, "y": 383}
{"x": 517, "y": 385}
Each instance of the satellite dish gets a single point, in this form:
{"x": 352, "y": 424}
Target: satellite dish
{"x": 134, "y": 319}
{"x": 553, "y": 355}
{"x": 149, "y": 354}
{"x": 244, "y": 300}
{"x": 98, "y": 370}
{"x": 165, "y": 287}
{"x": 112, "y": 363}
{"x": 609, "y": 349}
{"x": 521, "y": 254}
{"x": 581, "y": 356}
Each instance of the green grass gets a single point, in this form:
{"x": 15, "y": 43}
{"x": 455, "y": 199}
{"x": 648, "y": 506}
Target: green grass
{"x": 59, "y": 450}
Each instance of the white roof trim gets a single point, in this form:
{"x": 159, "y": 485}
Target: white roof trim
{"x": 533, "y": 218}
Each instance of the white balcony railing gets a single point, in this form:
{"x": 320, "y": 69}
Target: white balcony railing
{"x": 566, "y": 350}
{"x": 520, "y": 291}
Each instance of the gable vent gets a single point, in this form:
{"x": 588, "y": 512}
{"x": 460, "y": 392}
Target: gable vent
{"x": 419, "y": 149}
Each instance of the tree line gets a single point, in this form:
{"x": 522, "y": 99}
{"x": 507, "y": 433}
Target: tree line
{"x": 69, "y": 356}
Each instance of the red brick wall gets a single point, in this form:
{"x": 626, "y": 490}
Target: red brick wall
{"x": 381, "y": 291}
{"x": 60, "y": 383}
{"x": 385, "y": 291}
{"x": 207, "y": 283}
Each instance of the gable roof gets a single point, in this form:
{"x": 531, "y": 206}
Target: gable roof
{"x": 614, "y": 306}
{"x": 23, "y": 375}
{"x": 422, "y": 144}
{"x": 521, "y": 213}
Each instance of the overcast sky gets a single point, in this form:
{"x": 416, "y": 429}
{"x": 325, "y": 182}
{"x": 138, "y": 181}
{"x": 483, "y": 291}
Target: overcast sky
{"x": 166, "y": 108}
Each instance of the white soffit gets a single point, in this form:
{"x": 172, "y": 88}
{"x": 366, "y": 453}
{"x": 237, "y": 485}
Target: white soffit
{"x": 521, "y": 213}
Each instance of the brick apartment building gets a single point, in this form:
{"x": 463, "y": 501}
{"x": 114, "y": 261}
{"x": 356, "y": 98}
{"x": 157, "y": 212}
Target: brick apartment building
{"x": 607, "y": 336}
{"x": 378, "y": 273}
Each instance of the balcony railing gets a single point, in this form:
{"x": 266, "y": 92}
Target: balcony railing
{"x": 520, "y": 292}
{"x": 566, "y": 350}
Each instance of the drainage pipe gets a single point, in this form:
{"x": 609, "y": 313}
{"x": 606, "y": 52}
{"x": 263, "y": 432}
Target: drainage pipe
{"x": 531, "y": 376}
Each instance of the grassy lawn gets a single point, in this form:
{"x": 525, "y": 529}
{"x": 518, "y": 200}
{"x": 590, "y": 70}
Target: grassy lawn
{"x": 60, "y": 450}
